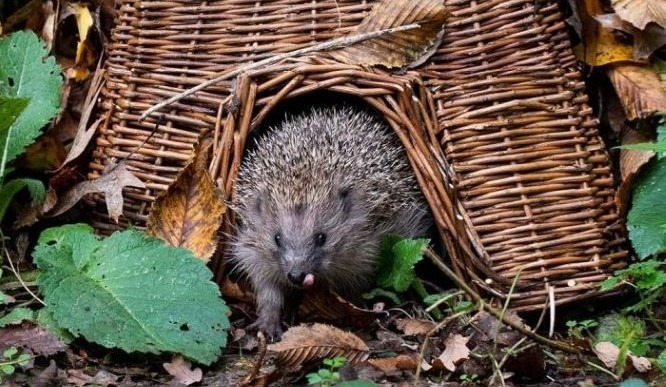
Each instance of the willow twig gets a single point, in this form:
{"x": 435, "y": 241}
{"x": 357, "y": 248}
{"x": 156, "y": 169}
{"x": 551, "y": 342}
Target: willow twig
{"x": 327, "y": 45}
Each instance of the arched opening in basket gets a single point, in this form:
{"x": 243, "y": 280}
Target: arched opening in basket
{"x": 401, "y": 101}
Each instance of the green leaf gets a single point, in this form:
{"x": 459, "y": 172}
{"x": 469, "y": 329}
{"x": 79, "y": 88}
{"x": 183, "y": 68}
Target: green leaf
{"x": 646, "y": 220}
{"x": 7, "y": 369}
{"x": 131, "y": 291}
{"x": 397, "y": 271}
{"x": 16, "y": 315}
{"x": 9, "y": 190}
{"x": 27, "y": 71}
{"x": 10, "y": 352}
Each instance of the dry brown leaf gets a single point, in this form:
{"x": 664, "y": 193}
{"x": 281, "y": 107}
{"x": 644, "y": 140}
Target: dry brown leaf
{"x": 414, "y": 327}
{"x": 412, "y": 47}
{"x": 646, "y": 41}
{"x": 84, "y": 134}
{"x": 455, "y": 351}
{"x": 33, "y": 337}
{"x": 237, "y": 291}
{"x": 640, "y": 363}
{"x": 182, "y": 371}
{"x": 607, "y": 352}
{"x": 393, "y": 364}
{"x": 640, "y": 89}
{"x": 303, "y": 343}
{"x": 324, "y": 306}
{"x": 189, "y": 213}
{"x": 111, "y": 184}
{"x": 641, "y": 12}
{"x": 600, "y": 45}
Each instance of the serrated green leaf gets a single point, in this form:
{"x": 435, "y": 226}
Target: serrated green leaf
{"x": 27, "y": 71}
{"x": 9, "y": 190}
{"x": 131, "y": 291}
{"x": 397, "y": 272}
{"x": 7, "y": 369}
{"x": 16, "y": 315}
{"x": 646, "y": 221}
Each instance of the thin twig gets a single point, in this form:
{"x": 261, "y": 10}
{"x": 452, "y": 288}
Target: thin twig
{"x": 327, "y": 45}
{"x": 18, "y": 275}
{"x": 249, "y": 379}
{"x": 477, "y": 298}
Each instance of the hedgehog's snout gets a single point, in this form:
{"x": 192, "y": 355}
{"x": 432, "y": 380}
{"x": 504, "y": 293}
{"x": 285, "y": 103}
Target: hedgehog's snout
{"x": 300, "y": 278}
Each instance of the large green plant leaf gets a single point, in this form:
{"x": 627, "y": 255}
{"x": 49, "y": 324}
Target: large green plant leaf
{"x": 131, "y": 291}
{"x": 27, "y": 71}
{"x": 646, "y": 221}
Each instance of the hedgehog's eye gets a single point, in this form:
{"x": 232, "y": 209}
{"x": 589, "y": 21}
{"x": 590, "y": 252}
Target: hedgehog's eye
{"x": 320, "y": 239}
{"x": 278, "y": 239}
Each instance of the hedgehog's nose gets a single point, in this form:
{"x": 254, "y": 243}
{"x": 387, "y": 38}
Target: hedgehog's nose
{"x": 296, "y": 277}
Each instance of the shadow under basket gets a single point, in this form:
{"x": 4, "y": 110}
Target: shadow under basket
{"x": 495, "y": 125}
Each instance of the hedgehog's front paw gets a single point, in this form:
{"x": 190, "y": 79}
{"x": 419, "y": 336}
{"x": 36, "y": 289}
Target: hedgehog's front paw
{"x": 271, "y": 326}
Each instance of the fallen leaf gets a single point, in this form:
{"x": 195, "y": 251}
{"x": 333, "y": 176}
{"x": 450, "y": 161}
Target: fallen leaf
{"x": 85, "y": 53}
{"x": 639, "y": 88}
{"x": 110, "y": 183}
{"x": 411, "y": 47}
{"x": 607, "y": 352}
{"x": 303, "y": 343}
{"x": 325, "y": 306}
{"x": 238, "y": 291}
{"x": 182, "y": 371}
{"x": 641, "y": 12}
{"x": 414, "y": 327}
{"x": 189, "y": 213}
{"x": 31, "y": 336}
{"x": 640, "y": 363}
{"x": 455, "y": 350}
{"x": 78, "y": 378}
{"x": 599, "y": 45}
{"x": 83, "y": 134}
{"x": 646, "y": 41}
{"x": 395, "y": 363}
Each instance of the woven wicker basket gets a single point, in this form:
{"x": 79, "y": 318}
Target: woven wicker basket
{"x": 495, "y": 125}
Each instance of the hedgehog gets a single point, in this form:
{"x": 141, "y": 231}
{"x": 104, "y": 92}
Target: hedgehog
{"x": 313, "y": 200}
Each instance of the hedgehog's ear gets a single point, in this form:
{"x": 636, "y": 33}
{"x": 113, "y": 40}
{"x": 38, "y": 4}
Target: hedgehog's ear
{"x": 345, "y": 196}
{"x": 259, "y": 205}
